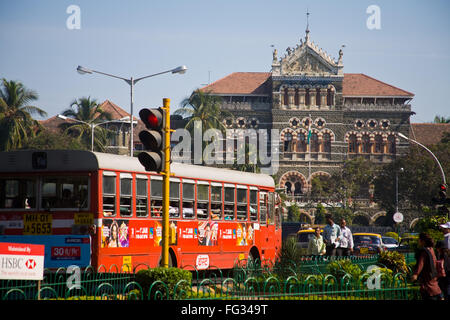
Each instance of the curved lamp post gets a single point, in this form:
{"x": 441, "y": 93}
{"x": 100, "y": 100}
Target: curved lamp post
{"x": 131, "y": 82}
{"x": 435, "y": 158}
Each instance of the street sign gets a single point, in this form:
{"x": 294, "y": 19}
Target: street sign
{"x": 21, "y": 261}
{"x": 398, "y": 217}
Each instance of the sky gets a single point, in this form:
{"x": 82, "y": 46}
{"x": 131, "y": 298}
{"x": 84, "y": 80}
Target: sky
{"x": 410, "y": 49}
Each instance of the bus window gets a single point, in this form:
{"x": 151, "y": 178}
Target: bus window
{"x": 202, "y": 201}
{"x": 141, "y": 197}
{"x": 242, "y": 203}
{"x": 254, "y": 205}
{"x": 263, "y": 207}
{"x": 216, "y": 202}
{"x": 125, "y": 196}
{"x": 17, "y": 193}
{"x": 64, "y": 192}
{"x": 109, "y": 195}
{"x": 188, "y": 199}
{"x": 156, "y": 190}
{"x": 229, "y": 203}
{"x": 174, "y": 199}
{"x": 271, "y": 208}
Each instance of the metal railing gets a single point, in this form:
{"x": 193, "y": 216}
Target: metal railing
{"x": 309, "y": 278}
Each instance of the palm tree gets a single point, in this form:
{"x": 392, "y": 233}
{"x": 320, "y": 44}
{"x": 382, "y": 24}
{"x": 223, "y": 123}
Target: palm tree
{"x": 203, "y": 107}
{"x": 89, "y": 111}
{"x": 439, "y": 119}
{"x": 16, "y": 123}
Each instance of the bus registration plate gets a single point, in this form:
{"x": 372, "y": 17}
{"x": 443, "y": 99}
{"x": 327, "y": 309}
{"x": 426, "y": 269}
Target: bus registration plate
{"x": 37, "y": 224}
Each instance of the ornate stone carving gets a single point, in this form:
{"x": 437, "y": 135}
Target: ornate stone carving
{"x": 305, "y": 64}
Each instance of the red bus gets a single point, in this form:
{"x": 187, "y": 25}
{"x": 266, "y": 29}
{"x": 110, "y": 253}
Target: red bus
{"x": 104, "y": 210}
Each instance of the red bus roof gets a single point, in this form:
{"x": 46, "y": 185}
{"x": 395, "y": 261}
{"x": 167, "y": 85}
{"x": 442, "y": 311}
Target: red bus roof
{"x": 80, "y": 160}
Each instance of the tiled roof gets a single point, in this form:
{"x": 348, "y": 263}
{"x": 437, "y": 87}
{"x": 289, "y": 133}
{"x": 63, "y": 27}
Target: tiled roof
{"x": 358, "y": 84}
{"x": 241, "y": 83}
{"x": 354, "y": 84}
{"x": 115, "y": 111}
{"x": 428, "y": 133}
{"x": 52, "y": 124}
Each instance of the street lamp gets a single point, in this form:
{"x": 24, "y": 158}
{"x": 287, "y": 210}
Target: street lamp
{"x": 92, "y": 125}
{"x": 131, "y": 82}
{"x": 435, "y": 158}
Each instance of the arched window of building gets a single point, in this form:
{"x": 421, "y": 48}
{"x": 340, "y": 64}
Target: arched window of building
{"x": 365, "y": 144}
{"x": 318, "y": 102}
{"x": 307, "y": 99}
{"x": 326, "y": 138}
{"x": 352, "y": 147}
{"x": 288, "y": 187}
{"x": 314, "y": 142}
{"x": 288, "y": 142}
{"x": 391, "y": 145}
{"x": 298, "y": 189}
{"x": 286, "y": 97}
{"x": 296, "y": 98}
{"x": 378, "y": 144}
{"x": 329, "y": 97}
{"x": 301, "y": 142}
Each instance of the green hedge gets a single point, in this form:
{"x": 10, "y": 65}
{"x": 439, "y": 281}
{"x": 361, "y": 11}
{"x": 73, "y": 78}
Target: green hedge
{"x": 165, "y": 283}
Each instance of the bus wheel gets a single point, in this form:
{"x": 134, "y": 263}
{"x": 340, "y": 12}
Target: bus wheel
{"x": 172, "y": 260}
{"x": 253, "y": 257}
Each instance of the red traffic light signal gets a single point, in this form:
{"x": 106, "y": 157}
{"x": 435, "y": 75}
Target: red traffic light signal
{"x": 443, "y": 187}
{"x": 152, "y": 118}
{"x": 152, "y": 139}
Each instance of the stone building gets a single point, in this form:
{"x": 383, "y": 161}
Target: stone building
{"x": 347, "y": 114}
{"x": 308, "y": 97}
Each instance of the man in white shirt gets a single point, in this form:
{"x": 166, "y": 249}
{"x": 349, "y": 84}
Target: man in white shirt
{"x": 445, "y": 228}
{"x": 345, "y": 247}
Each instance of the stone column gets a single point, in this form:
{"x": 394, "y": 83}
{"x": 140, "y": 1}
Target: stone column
{"x": 291, "y": 94}
{"x": 372, "y": 144}
{"x": 302, "y": 97}
{"x": 312, "y": 97}
{"x": 323, "y": 98}
{"x": 276, "y": 98}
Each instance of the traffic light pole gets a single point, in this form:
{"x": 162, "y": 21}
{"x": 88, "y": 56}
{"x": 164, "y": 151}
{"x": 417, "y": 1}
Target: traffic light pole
{"x": 166, "y": 184}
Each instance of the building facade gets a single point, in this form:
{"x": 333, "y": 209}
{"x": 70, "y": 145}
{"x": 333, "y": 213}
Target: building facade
{"x": 308, "y": 97}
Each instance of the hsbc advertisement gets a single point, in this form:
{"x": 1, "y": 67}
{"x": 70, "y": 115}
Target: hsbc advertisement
{"x": 21, "y": 261}
{"x": 60, "y": 250}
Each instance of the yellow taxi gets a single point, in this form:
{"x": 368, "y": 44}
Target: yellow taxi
{"x": 303, "y": 237}
{"x": 367, "y": 243}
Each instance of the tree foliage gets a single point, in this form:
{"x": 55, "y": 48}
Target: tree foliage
{"x": 89, "y": 111}
{"x": 418, "y": 181}
{"x": 16, "y": 122}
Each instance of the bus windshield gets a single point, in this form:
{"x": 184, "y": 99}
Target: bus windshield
{"x": 17, "y": 193}
{"x": 56, "y": 192}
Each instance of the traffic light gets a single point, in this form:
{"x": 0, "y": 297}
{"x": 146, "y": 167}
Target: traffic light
{"x": 442, "y": 191}
{"x": 442, "y": 195}
{"x": 152, "y": 139}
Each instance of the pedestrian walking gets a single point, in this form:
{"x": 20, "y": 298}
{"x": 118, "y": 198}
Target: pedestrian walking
{"x": 316, "y": 246}
{"x": 331, "y": 236}
{"x": 425, "y": 270}
{"x": 445, "y": 229}
{"x": 345, "y": 247}
{"x": 443, "y": 257}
